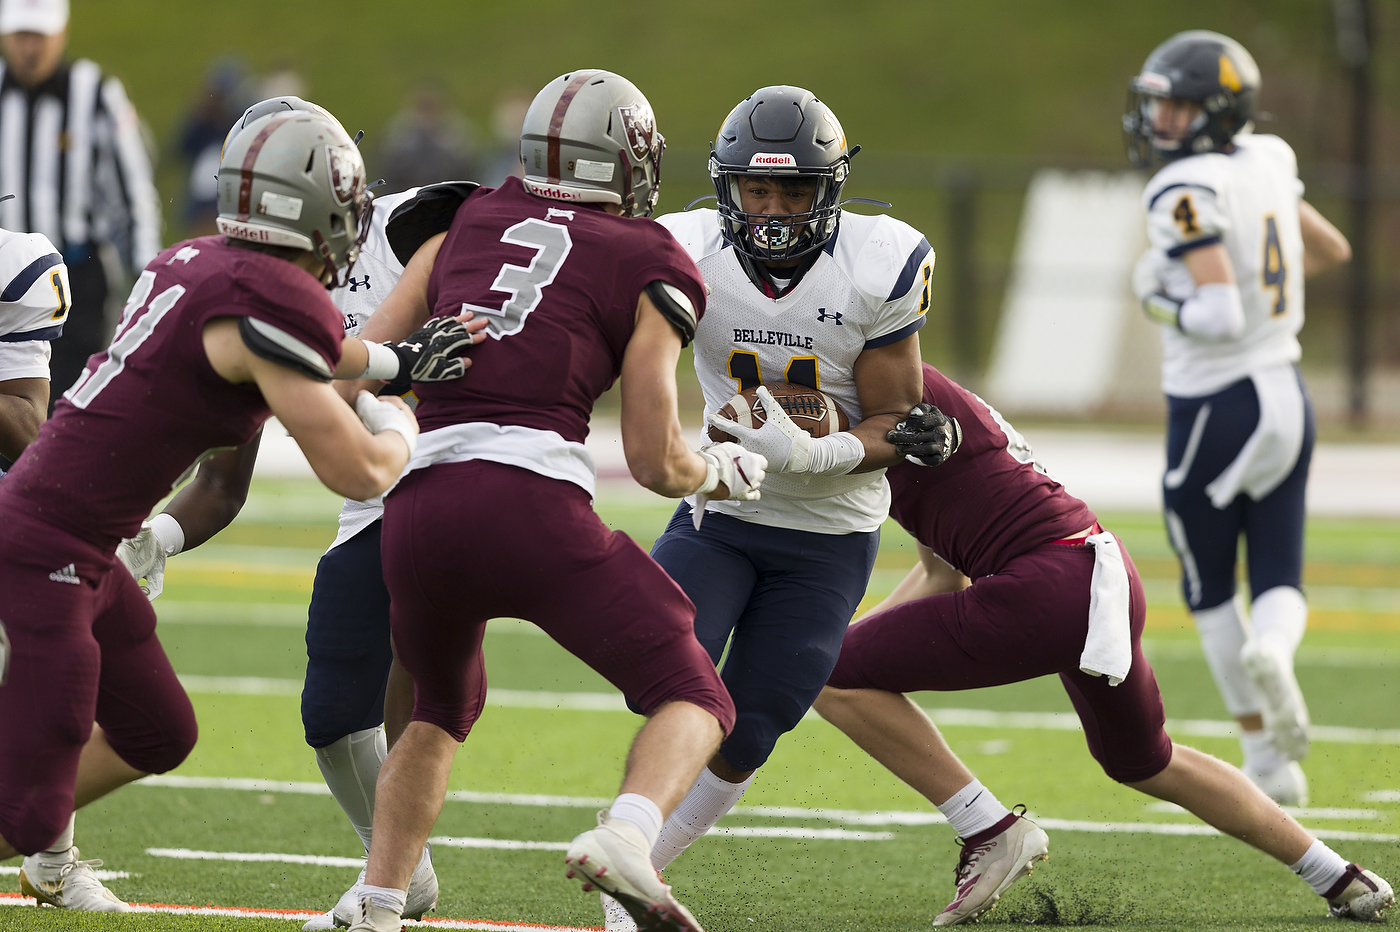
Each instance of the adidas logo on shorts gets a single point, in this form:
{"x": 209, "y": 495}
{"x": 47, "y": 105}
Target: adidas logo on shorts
{"x": 68, "y": 574}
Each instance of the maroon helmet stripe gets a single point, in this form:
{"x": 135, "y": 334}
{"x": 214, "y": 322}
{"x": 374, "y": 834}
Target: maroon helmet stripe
{"x": 556, "y": 120}
{"x": 245, "y": 184}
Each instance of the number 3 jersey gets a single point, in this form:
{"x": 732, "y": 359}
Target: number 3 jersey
{"x": 868, "y": 288}
{"x": 1247, "y": 200}
{"x": 559, "y": 283}
{"x": 146, "y": 410}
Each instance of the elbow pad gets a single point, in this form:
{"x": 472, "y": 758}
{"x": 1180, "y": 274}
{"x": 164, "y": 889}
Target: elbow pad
{"x": 675, "y": 307}
{"x": 1214, "y": 312}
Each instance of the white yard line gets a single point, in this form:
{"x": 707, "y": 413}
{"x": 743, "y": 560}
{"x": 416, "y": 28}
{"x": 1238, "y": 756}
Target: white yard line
{"x": 982, "y": 718}
{"x": 101, "y": 874}
{"x": 314, "y": 860}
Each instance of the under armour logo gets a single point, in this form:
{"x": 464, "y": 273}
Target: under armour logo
{"x": 184, "y": 255}
{"x": 357, "y": 284}
{"x": 823, "y": 316}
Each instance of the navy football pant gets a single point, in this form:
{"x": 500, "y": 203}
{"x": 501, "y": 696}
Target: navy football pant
{"x": 347, "y": 642}
{"x": 1206, "y": 538}
{"x": 786, "y": 598}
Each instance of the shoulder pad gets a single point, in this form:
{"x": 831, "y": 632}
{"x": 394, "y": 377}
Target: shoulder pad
{"x": 675, "y": 307}
{"x": 425, "y": 215}
{"x": 276, "y": 345}
{"x": 698, "y": 231}
{"x": 881, "y": 255}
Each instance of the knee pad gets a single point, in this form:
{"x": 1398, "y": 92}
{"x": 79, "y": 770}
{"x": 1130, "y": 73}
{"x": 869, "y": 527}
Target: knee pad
{"x": 1222, "y": 632}
{"x": 1280, "y": 615}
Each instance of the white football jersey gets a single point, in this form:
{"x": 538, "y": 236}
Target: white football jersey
{"x": 868, "y": 288}
{"x": 1247, "y": 200}
{"x": 375, "y": 274}
{"x": 34, "y": 302}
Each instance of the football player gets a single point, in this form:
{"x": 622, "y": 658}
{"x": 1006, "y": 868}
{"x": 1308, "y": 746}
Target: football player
{"x": 238, "y": 325}
{"x": 1231, "y": 241}
{"x": 347, "y": 636}
{"x": 33, "y": 308}
{"x": 805, "y": 292}
{"x": 579, "y": 288}
{"x": 1052, "y": 592}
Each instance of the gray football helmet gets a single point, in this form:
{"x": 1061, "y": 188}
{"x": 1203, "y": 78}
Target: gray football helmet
{"x": 590, "y": 136}
{"x": 294, "y": 178}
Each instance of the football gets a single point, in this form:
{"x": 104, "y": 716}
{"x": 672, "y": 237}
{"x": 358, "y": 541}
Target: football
{"x": 814, "y": 411}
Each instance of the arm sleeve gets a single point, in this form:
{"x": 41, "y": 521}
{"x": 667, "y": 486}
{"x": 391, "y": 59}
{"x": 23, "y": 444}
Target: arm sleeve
{"x": 905, "y": 309}
{"x": 25, "y": 360}
{"x": 127, "y": 198}
{"x": 1182, "y": 216}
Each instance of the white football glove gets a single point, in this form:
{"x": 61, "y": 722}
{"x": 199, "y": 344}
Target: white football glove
{"x": 380, "y": 415}
{"x": 739, "y": 470}
{"x": 144, "y": 555}
{"x": 784, "y": 445}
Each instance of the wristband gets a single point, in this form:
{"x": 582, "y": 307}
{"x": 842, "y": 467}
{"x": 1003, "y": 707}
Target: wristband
{"x": 835, "y": 455}
{"x": 711, "y": 475}
{"x": 170, "y": 537}
{"x": 1163, "y": 309}
{"x": 383, "y": 363}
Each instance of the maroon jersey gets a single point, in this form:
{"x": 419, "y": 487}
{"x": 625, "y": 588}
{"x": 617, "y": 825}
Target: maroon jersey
{"x": 989, "y": 502}
{"x": 559, "y": 283}
{"x": 147, "y": 409}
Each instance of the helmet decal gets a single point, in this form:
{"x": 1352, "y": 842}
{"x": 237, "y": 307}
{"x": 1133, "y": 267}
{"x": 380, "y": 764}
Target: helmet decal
{"x": 346, "y": 173}
{"x": 772, "y": 160}
{"x": 250, "y": 158}
{"x": 1229, "y": 77}
{"x": 639, "y": 124}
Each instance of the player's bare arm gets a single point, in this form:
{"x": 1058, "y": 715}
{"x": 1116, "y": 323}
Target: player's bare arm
{"x": 1324, "y": 246}
{"x": 345, "y": 456}
{"x": 887, "y": 381}
{"x": 211, "y": 501}
{"x": 24, "y": 404}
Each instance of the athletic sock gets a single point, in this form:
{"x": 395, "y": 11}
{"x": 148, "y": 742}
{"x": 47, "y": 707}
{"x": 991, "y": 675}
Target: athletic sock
{"x": 1320, "y": 867}
{"x": 973, "y": 809}
{"x": 708, "y": 800}
{"x": 1222, "y": 632}
{"x": 385, "y": 897}
{"x": 350, "y": 768}
{"x": 1260, "y": 754}
{"x": 1280, "y": 616}
{"x": 635, "y": 809}
{"x": 64, "y": 841}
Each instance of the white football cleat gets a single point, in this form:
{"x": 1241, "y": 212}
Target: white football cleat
{"x": 422, "y": 897}
{"x": 616, "y": 918}
{"x": 1359, "y": 895}
{"x": 987, "y": 868}
{"x": 1287, "y": 786}
{"x": 1285, "y": 713}
{"x": 64, "y": 881}
{"x": 371, "y": 918}
{"x": 616, "y": 859}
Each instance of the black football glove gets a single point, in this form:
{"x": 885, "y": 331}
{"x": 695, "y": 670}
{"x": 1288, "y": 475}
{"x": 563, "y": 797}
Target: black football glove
{"x": 926, "y": 436}
{"x": 432, "y": 354}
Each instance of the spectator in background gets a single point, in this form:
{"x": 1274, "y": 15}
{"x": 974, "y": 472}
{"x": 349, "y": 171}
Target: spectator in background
{"x": 76, "y": 162}
{"x": 427, "y": 142}
{"x": 502, "y": 161}
{"x": 226, "y": 93}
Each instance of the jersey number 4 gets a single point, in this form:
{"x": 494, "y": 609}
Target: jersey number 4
{"x": 525, "y": 284}
{"x": 1273, "y": 271}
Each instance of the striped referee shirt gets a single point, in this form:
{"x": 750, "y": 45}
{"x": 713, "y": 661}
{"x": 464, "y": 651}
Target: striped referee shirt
{"x": 72, "y": 154}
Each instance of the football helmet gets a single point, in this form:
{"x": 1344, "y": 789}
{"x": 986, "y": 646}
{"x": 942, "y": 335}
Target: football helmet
{"x": 1206, "y": 67}
{"x": 292, "y": 177}
{"x": 785, "y": 132}
{"x": 590, "y": 137}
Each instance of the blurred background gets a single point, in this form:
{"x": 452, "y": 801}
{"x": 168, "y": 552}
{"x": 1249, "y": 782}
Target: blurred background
{"x": 958, "y": 107}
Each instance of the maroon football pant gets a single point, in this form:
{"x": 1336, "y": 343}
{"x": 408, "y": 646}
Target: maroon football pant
{"x": 80, "y": 651}
{"x": 1028, "y": 620}
{"x": 467, "y": 542}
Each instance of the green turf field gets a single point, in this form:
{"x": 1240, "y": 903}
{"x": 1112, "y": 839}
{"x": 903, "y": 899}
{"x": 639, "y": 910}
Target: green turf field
{"x": 824, "y": 840}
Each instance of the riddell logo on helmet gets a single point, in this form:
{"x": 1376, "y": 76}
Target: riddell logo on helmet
{"x": 772, "y": 160}
{"x": 549, "y": 190}
{"x": 229, "y": 228}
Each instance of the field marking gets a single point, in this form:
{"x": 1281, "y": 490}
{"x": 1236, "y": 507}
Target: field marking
{"x": 301, "y": 915}
{"x": 499, "y": 844}
{"x": 314, "y": 860}
{"x": 979, "y": 718}
{"x": 848, "y": 816}
{"x": 1383, "y": 796}
{"x": 818, "y": 834}
{"x": 1297, "y": 812}
{"x": 100, "y": 874}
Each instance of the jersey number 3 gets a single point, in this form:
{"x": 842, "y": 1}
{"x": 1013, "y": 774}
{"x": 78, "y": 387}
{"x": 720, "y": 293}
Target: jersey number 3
{"x": 525, "y": 284}
{"x": 1274, "y": 272}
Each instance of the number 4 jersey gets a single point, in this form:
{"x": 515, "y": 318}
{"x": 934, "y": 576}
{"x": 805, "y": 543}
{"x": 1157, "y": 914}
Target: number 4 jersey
{"x": 868, "y": 288}
{"x": 1247, "y": 200}
{"x": 146, "y": 410}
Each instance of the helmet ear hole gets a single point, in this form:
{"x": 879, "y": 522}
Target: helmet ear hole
{"x": 337, "y": 225}
{"x": 639, "y": 176}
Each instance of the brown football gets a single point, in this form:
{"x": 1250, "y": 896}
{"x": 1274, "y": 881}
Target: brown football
{"x": 814, "y": 411}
